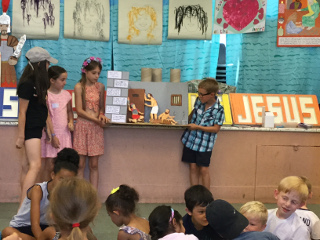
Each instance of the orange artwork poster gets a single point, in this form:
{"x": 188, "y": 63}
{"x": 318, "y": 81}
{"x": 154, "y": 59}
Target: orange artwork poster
{"x": 298, "y": 23}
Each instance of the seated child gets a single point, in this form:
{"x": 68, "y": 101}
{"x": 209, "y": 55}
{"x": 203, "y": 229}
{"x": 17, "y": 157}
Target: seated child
{"x": 121, "y": 205}
{"x": 308, "y": 217}
{"x": 31, "y": 219}
{"x": 257, "y": 215}
{"x": 74, "y": 204}
{"x": 230, "y": 224}
{"x": 195, "y": 222}
{"x": 166, "y": 224}
{"x": 283, "y": 221}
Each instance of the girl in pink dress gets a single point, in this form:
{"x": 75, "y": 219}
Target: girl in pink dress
{"x": 88, "y": 138}
{"x": 58, "y": 132}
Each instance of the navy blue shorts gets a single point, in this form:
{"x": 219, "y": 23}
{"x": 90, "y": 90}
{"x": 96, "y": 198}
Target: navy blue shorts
{"x": 27, "y": 229}
{"x": 202, "y": 159}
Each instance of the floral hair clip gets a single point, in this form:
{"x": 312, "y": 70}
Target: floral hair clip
{"x": 88, "y": 60}
{"x": 114, "y": 190}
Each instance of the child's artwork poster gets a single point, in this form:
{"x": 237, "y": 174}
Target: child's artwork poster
{"x": 298, "y": 23}
{"x": 140, "y": 22}
{"x": 190, "y": 19}
{"x": 239, "y": 16}
{"x": 36, "y": 19}
{"x": 87, "y": 19}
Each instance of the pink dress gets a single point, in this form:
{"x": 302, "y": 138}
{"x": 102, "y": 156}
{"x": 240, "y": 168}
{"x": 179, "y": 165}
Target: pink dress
{"x": 57, "y": 107}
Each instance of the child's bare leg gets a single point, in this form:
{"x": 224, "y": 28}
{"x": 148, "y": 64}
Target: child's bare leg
{"x": 48, "y": 168}
{"x": 205, "y": 176}
{"x": 82, "y": 164}
{"x": 194, "y": 174}
{"x": 10, "y": 230}
{"x": 33, "y": 153}
{"x": 94, "y": 173}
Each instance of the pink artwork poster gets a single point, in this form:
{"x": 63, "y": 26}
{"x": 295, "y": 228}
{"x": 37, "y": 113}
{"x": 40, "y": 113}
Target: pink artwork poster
{"x": 239, "y": 16}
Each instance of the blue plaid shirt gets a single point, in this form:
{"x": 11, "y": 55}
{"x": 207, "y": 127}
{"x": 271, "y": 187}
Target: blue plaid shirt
{"x": 198, "y": 140}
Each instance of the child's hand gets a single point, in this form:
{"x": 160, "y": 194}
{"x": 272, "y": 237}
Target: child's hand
{"x": 71, "y": 126}
{"x": 19, "y": 142}
{"x": 55, "y": 142}
{"x": 192, "y": 126}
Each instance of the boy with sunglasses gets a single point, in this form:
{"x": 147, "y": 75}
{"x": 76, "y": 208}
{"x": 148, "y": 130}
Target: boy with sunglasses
{"x": 199, "y": 138}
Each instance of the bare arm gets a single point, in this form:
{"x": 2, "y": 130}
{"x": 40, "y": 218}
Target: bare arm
{"x": 47, "y": 234}
{"x": 102, "y": 106}
{"x": 78, "y": 100}
{"x": 70, "y": 116}
{"x": 35, "y": 195}
{"x": 23, "y": 106}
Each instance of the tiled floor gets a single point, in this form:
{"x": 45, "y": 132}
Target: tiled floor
{"x": 103, "y": 227}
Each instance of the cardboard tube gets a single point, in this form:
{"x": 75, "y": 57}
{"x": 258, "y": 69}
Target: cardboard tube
{"x": 146, "y": 74}
{"x": 175, "y": 75}
{"x": 156, "y": 74}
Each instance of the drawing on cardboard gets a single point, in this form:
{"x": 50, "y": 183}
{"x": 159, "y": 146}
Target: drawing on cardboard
{"x": 140, "y": 22}
{"x": 153, "y": 104}
{"x": 87, "y": 19}
{"x": 38, "y": 19}
{"x": 234, "y": 16}
{"x": 166, "y": 118}
{"x": 298, "y": 23}
{"x": 190, "y": 19}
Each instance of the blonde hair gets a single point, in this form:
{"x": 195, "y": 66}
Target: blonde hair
{"x": 294, "y": 183}
{"x": 307, "y": 182}
{"x": 210, "y": 85}
{"x": 74, "y": 200}
{"x": 255, "y": 209}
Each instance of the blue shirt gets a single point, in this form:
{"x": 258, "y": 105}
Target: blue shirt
{"x": 198, "y": 140}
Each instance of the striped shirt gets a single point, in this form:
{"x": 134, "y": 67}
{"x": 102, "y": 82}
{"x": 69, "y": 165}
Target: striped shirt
{"x": 198, "y": 140}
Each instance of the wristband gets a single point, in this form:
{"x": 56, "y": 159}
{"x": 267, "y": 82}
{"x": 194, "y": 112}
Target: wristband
{"x": 53, "y": 134}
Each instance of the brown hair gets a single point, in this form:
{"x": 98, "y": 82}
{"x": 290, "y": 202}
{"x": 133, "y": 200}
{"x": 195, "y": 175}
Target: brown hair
{"x": 210, "y": 85}
{"x": 74, "y": 200}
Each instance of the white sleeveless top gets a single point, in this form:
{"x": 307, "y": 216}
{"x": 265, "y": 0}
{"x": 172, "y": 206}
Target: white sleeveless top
{"x": 22, "y": 219}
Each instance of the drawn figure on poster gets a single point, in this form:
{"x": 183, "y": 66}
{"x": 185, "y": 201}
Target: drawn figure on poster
{"x": 153, "y": 104}
{"x": 142, "y": 22}
{"x": 38, "y": 10}
{"x": 88, "y": 18}
{"x": 309, "y": 19}
{"x": 295, "y": 5}
{"x": 192, "y": 17}
{"x": 7, "y": 46}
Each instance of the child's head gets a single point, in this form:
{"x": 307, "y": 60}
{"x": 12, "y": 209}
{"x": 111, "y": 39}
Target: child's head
{"x": 66, "y": 165}
{"x": 257, "y": 215}
{"x": 121, "y": 203}
{"x": 74, "y": 204}
{"x": 309, "y": 185}
{"x": 197, "y": 198}
{"x": 163, "y": 220}
{"x": 57, "y": 77}
{"x": 291, "y": 194}
{"x": 91, "y": 65}
{"x": 210, "y": 85}
{"x": 225, "y": 219}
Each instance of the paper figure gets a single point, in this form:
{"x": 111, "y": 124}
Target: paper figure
{"x": 190, "y": 19}
{"x": 154, "y": 106}
{"x": 38, "y": 19}
{"x": 235, "y": 16}
{"x": 7, "y": 47}
{"x": 143, "y": 21}
{"x": 165, "y": 116}
{"x": 87, "y": 19}
{"x": 137, "y": 116}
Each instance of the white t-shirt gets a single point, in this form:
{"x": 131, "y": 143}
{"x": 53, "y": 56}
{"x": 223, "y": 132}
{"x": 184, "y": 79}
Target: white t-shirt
{"x": 179, "y": 236}
{"x": 291, "y": 228}
{"x": 308, "y": 217}
{"x": 316, "y": 231}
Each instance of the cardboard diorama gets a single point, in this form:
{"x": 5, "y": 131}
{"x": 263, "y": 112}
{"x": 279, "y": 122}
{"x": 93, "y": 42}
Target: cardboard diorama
{"x": 157, "y": 103}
